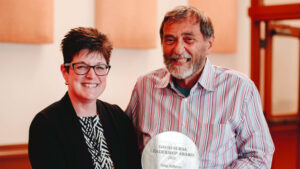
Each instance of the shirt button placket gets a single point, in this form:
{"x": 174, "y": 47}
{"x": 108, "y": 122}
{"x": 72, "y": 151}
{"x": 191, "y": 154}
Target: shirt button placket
{"x": 184, "y": 114}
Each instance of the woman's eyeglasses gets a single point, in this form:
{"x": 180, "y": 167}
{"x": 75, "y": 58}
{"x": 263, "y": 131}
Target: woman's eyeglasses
{"x": 83, "y": 69}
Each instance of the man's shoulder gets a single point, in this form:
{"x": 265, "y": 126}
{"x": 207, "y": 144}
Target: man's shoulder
{"x": 155, "y": 77}
{"x": 230, "y": 73}
{"x": 159, "y": 73}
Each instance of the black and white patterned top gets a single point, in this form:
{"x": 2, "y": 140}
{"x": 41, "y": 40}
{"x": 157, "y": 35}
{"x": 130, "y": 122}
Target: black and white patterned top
{"x": 95, "y": 140}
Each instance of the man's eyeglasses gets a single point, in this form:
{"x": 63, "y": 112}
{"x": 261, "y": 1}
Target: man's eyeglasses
{"x": 83, "y": 69}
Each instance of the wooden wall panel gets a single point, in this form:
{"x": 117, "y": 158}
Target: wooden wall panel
{"x": 29, "y": 21}
{"x": 128, "y": 23}
{"x": 224, "y": 17}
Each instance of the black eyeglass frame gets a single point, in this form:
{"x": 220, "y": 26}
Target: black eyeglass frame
{"x": 93, "y": 67}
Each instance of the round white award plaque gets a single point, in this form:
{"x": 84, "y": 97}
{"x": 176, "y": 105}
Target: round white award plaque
{"x": 170, "y": 150}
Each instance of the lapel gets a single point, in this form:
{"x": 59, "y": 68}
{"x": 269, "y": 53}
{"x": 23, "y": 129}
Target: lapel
{"x": 110, "y": 131}
{"x": 74, "y": 138}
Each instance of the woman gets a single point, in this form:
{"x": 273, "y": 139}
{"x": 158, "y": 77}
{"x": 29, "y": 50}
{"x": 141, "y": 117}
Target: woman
{"x": 80, "y": 131}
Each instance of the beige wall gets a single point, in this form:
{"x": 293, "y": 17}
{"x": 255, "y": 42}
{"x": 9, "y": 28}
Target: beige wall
{"x": 31, "y": 79}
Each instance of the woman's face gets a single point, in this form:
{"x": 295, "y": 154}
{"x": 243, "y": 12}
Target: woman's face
{"x": 88, "y": 87}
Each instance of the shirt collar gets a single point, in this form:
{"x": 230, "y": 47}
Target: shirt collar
{"x": 206, "y": 79}
{"x": 164, "y": 80}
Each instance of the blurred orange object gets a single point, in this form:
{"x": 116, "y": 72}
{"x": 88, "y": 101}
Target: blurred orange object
{"x": 128, "y": 23}
{"x": 224, "y": 18}
{"x": 29, "y": 21}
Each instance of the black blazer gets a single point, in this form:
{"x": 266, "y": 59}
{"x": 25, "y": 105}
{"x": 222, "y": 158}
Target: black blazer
{"x": 56, "y": 140}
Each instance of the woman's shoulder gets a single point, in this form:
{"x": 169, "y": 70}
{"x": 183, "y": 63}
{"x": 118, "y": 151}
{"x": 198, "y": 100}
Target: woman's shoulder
{"x": 109, "y": 107}
{"x": 45, "y": 117}
{"x": 111, "y": 110}
{"x": 53, "y": 112}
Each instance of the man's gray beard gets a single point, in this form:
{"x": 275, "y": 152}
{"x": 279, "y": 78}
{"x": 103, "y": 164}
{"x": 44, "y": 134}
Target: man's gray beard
{"x": 183, "y": 72}
{"x": 179, "y": 72}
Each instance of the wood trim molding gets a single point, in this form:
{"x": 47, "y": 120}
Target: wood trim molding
{"x": 14, "y": 156}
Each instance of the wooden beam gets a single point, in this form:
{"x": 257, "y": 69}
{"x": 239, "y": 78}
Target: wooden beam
{"x": 275, "y": 12}
{"x": 285, "y": 30}
{"x": 257, "y": 2}
{"x": 255, "y": 53}
{"x": 299, "y": 88}
{"x": 268, "y": 73}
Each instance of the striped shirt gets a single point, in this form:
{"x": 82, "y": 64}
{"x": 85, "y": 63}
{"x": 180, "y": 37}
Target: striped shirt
{"x": 222, "y": 115}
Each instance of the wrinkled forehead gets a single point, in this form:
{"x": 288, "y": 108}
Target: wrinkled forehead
{"x": 185, "y": 21}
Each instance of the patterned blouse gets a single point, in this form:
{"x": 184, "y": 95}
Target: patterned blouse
{"x": 95, "y": 140}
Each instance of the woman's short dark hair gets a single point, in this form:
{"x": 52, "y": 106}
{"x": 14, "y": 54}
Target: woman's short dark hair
{"x": 183, "y": 12}
{"x": 85, "y": 38}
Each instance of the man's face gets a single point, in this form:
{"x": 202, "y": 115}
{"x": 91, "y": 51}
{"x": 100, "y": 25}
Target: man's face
{"x": 184, "y": 48}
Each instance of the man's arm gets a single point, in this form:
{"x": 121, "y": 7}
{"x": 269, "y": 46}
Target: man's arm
{"x": 132, "y": 107}
{"x": 254, "y": 143}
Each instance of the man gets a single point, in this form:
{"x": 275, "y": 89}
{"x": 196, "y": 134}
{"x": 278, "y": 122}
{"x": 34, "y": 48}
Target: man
{"x": 219, "y": 109}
